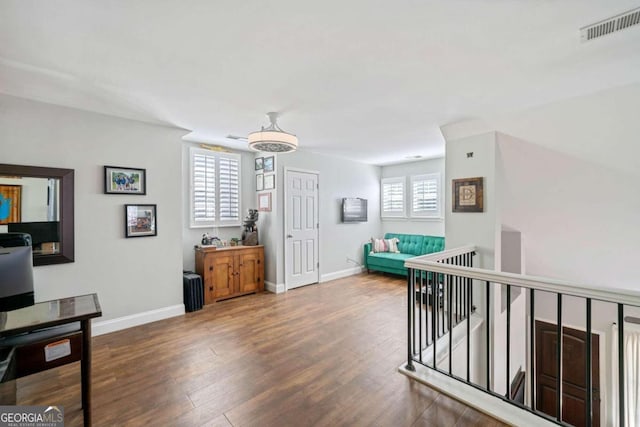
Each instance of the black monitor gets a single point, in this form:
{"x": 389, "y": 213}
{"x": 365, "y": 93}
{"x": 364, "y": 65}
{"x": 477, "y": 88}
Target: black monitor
{"x": 9, "y": 240}
{"x": 41, "y": 232}
{"x": 16, "y": 272}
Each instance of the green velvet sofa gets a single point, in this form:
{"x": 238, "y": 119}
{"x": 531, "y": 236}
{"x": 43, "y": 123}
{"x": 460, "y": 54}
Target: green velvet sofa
{"x": 410, "y": 245}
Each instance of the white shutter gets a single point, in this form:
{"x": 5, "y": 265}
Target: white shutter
{"x": 392, "y": 197}
{"x": 229, "y": 189}
{"x": 215, "y": 189}
{"x": 203, "y": 188}
{"x": 425, "y": 195}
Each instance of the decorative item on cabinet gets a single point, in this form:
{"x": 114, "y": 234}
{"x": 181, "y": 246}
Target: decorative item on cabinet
{"x": 250, "y": 233}
{"x": 211, "y": 241}
{"x": 231, "y": 271}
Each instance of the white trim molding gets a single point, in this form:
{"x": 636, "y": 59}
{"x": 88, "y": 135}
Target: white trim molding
{"x": 474, "y": 398}
{"x": 429, "y": 263}
{"x": 294, "y": 169}
{"x": 125, "y": 322}
{"x": 273, "y": 288}
{"x": 340, "y": 274}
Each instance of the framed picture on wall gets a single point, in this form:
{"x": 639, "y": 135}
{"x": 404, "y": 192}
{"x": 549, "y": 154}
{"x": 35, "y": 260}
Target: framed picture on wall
{"x": 259, "y": 182}
{"x": 468, "y": 195}
{"x": 141, "y": 220}
{"x": 269, "y": 182}
{"x": 259, "y": 163}
{"x": 264, "y": 202}
{"x": 120, "y": 180}
{"x": 268, "y": 164}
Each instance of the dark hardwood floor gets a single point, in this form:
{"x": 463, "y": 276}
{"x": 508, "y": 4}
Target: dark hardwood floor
{"x": 323, "y": 355}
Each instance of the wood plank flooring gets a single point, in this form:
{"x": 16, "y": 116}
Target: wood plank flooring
{"x": 324, "y": 355}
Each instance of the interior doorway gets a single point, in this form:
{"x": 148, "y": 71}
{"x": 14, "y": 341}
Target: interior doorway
{"x": 301, "y": 226}
{"x": 574, "y": 388}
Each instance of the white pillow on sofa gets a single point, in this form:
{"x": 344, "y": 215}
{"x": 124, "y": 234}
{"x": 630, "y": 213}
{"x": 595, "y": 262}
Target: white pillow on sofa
{"x": 385, "y": 245}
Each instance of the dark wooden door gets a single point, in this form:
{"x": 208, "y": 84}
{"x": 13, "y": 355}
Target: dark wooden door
{"x": 574, "y": 388}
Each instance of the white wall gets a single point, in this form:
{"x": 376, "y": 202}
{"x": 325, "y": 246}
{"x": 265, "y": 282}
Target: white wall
{"x": 193, "y": 236}
{"x": 428, "y": 226}
{"x": 338, "y": 178}
{"x": 512, "y": 261}
{"x": 130, "y": 276}
{"x": 579, "y": 211}
{"x": 482, "y": 229}
{"x": 271, "y": 231}
{"x": 567, "y": 176}
{"x": 569, "y": 171}
{"x": 473, "y": 228}
{"x": 591, "y": 204}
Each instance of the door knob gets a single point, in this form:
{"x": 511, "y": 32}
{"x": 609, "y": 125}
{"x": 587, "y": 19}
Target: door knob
{"x": 289, "y": 236}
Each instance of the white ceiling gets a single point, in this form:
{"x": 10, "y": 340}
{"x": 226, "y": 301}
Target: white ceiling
{"x": 368, "y": 80}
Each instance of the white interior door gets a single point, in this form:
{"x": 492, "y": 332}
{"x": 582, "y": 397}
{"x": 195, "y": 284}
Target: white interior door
{"x": 301, "y": 229}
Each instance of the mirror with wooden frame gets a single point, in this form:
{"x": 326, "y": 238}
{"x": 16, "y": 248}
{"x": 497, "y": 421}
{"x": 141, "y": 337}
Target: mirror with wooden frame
{"x": 39, "y": 201}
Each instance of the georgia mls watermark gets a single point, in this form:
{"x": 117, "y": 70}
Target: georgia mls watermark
{"x": 31, "y": 416}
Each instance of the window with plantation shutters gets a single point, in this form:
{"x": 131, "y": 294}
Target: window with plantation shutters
{"x": 203, "y": 188}
{"x": 229, "y": 189}
{"x": 425, "y": 195}
{"x": 392, "y": 197}
{"x": 215, "y": 188}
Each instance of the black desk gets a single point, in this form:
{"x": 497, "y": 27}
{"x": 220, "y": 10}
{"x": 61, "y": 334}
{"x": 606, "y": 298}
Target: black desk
{"x": 20, "y": 328}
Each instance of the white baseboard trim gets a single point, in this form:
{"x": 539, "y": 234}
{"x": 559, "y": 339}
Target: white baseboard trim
{"x": 120, "y": 323}
{"x": 340, "y": 274}
{"x": 273, "y": 288}
{"x": 483, "y": 402}
{"x": 280, "y": 287}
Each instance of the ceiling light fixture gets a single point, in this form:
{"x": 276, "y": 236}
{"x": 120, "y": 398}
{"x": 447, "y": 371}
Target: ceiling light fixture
{"x": 272, "y": 139}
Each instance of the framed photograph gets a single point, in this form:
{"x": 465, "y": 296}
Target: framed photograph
{"x": 141, "y": 220}
{"x": 10, "y": 203}
{"x": 119, "y": 180}
{"x": 259, "y": 163}
{"x": 264, "y": 202}
{"x": 468, "y": 195}
{"x": 269, "y": 182}
{"x": 259, "y": 182}
{"x": 268, "y": 164}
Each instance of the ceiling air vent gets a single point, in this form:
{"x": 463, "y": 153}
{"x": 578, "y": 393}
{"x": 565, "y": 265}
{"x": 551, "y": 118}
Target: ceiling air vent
{"x": 611, "y": 25}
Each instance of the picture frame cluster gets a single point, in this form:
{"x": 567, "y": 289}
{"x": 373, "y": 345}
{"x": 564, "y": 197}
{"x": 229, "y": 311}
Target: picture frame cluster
{"x": 265, "y": 178}
{"x": 140, "y": 220}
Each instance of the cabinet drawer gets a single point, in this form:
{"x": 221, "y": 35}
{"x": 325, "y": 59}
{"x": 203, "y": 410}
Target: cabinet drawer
{"x": 31, "y": 358}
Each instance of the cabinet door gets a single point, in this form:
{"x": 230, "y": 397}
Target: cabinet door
{"x": 223, "y": 275}
{"x": 250, "y": 271}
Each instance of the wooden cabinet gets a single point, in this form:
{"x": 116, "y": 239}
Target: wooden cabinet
{"x": 231, "y": 271}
